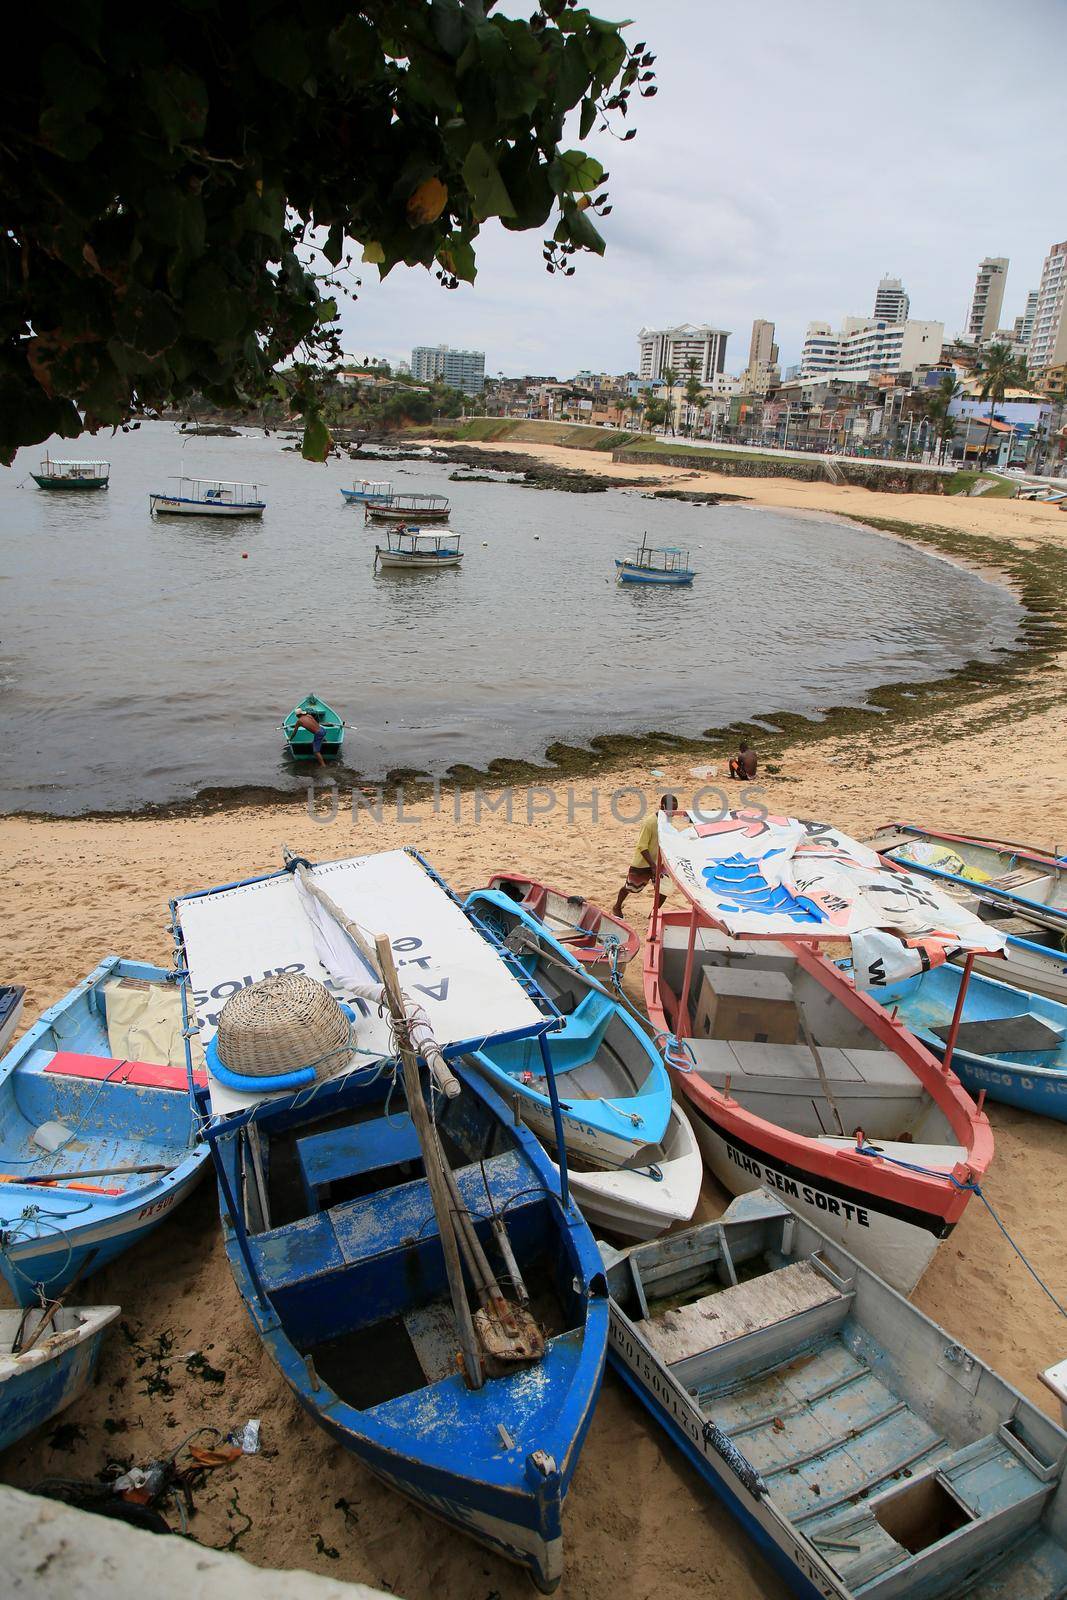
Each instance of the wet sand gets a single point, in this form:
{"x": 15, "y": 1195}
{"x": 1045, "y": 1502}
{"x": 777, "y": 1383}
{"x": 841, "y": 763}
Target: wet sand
{"x": 637, "y": 1521}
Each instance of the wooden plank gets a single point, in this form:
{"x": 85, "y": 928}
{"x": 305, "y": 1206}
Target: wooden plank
{"x": 715, "y": 1319}
{"x": 141, "y": 1074}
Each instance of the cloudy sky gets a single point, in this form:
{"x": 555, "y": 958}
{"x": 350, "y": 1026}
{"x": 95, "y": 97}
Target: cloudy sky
{"x": 793, "y": 154}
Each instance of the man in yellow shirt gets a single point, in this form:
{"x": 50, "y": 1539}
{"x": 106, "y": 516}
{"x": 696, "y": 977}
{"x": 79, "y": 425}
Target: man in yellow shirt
{"x": 646, "y": 853}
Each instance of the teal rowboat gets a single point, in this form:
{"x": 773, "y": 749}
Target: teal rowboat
{"x": 299, "y": 739}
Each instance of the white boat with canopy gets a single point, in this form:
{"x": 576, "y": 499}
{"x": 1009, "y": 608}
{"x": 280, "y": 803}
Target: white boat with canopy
{"x": 411, "y": 550}
{"x": 208, "y": 497}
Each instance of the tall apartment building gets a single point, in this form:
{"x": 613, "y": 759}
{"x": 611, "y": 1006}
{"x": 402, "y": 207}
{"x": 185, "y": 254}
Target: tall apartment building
{"x": 891, "y": 302}
{"x": 1024, "y": 325}
{"x": 983, "y": 320}
{"x": 460, "y": 369}
{"x": 675, "y": 347}
{"x": 863, "y": 345}
{"x": 1048, "y": 339}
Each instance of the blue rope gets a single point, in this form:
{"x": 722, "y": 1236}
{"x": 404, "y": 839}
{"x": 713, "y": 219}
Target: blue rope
{"x": 970, "y": 1187}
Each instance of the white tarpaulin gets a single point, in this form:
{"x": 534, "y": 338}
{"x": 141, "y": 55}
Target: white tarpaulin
{"x": 778, "y": 877}
{"x": 235, "y": 937}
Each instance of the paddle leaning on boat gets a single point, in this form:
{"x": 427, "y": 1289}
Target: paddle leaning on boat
{"x": 795, "y": 1078}
{"x": 421, "y": 1277}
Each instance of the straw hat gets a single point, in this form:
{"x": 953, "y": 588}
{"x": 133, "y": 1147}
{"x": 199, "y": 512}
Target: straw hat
{"x": 282, "y": 1024}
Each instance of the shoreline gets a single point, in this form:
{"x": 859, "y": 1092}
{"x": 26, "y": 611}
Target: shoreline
{"x": 889, "y": 706}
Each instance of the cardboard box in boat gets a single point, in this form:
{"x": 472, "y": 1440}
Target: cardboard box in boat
{"x": 744, "y": 1003}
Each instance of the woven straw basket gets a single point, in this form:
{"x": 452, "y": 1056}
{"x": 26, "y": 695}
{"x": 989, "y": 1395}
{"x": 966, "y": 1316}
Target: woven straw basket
{"x": 282, "y": 1024}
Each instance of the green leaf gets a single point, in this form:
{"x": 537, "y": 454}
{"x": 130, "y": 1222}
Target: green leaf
{"x": 588, "y": 117}
{"x": 373, "y": 253}
{"x": 279, "y": 51}
{"x": 315, "y": 445}
{"x": 575, "y": 172}
{"x": 179, "y": 102}
{"x": 456, "y": 255}
{"x": 482, "y": 177}
{"x": 581, "y": 231}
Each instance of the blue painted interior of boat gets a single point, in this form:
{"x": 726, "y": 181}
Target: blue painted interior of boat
{"x": 926, "y": 1004}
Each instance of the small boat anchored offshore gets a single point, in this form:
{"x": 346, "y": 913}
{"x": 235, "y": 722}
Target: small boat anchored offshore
{"x": 363, "y": 492}
{"x": 208, "y": 497}
{"x": 662, "y": 564}
{"x": 72, "y": 474}
{"x": 415, "y": 551}
{"x": 410, "y": 508}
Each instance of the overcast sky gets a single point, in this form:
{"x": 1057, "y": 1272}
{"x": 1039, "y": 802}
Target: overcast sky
{"x": 793, "y": 154}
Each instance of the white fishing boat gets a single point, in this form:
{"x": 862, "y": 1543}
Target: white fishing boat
{"x": 364, "y": 491}
{"x": 410, "y": 508}
{"x": 414, "y": 551}
{"x": 641, "y": 1202}
{"x": 208, "y": 497}
{"x": 47, "y": 1357}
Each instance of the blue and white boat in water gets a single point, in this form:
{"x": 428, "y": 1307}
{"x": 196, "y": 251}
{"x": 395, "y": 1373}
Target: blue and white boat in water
{"x": 357, "y": 1277}
{"x": 661, "y": 564}
{"x": 98, "y": 1144}
{"x": 1009, "y": 1043}
{"x": 47, "y": 1357}
{"x": 364, "y": 491}
{"x": 614, "y": 1088}
{"x": 208, "y": 497}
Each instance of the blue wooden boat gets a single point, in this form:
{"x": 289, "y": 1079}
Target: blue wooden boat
{"x": 616, "y": 1093}
{"x": 76, "y": 1119}
{"x": 659, "y": 564}
{"x": 363, "y": 491}
{"x": 11, "y": 997}
{"x": 1010, "y": 1043}
{"x": 330, "y": 1221}
{"x": 867, "y": 1453}
{"x": 47, "y": 1358}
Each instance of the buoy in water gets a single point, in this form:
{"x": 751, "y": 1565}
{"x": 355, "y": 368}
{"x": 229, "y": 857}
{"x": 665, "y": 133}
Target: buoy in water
{"x": 244, "y": 555}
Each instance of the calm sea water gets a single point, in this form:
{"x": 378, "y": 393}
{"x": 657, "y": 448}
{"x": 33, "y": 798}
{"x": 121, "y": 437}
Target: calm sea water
{"x": 144, "y": 660}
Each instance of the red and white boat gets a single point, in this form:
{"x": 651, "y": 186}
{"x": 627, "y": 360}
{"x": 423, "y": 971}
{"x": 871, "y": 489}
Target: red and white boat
{"x": 600, "y": 941}
{"x": 794, "y": 1080}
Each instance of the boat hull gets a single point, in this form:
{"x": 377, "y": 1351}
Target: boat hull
{"x": 1030, "y": 966}
{"x": 404, "y": 563}
{"x": 300, "y": 741}
{"x": 602, "y": 943}
{"x": 663, "y": 580}
{"x": 379, "y": 512}
{"x": 68, "y": 483}
{"x": 643, "y": 1203}
{"x": 50, "y": 1375}
{"x": 163, "y": 505}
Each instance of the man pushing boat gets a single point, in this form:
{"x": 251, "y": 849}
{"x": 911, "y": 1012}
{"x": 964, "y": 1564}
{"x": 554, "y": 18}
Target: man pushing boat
{"x": 646, "y": 854}
{"x": 307, "y": 719}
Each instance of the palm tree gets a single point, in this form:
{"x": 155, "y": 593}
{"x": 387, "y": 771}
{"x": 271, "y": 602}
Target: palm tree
{"x": 634, "y": 405}
{"x": 670, "y": 378}
{"x": 998, "y": 371}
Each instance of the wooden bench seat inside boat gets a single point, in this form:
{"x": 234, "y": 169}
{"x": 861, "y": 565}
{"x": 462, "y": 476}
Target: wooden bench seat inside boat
{"x": 744, "y": 1308}
{"x": 325, "y": 1159}
{"x": 104, "y": 1069}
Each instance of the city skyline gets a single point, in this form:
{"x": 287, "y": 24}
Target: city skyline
{"x": 763, "y": 198}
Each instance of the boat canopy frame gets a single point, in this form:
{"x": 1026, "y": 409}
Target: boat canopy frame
{"x": 215, "y": 486}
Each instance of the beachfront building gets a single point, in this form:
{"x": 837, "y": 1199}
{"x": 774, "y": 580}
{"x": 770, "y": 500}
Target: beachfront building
{"x": 660, "y": 348}
{"x": 863, "y": 346}
{"x": 762, "y": 371}
{"x": 1048, "y": 338}
{"x": 1024, "y": 325}
{"x": 983, "y": 319}
{"x": 460, "y": 369}
{"x": 891, "y": 301}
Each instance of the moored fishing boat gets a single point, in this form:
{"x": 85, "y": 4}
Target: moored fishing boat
{"x": 1037, "y": 959}
{"x": 1007, "y": 1044}
{"x": 410, "y": 550}
{"x": 793, "y": 1077}
{"x": 364, "y": 491}
{"x": 47, "y": 1358}
{"x": 208, "y": 497}
{"x": 355, "y": 1274}
{"x": 1004, "y": 879}
{"x": 641, "y": 1202}
{"x": 72, "y": 474}
{"x": 615, "y": 1091}
{"x": 657, "y": 564}
{"x": 301, "y": 741}
{"x": 601, "y": 942}
{"x": 864, "y": 1450}
{"x": 97, "y": 1142}
{"x": 409, "y": 508}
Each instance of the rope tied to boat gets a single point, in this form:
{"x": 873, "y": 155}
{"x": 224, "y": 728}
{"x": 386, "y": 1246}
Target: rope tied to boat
{"x": 967, "y": 1186}
{"x": 738, "y": 1463}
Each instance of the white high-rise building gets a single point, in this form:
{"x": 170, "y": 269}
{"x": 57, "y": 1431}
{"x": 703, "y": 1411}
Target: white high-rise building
{"x": 983, "y": 319}
{"x": 1048, "y": 339}
{"x": 1024, "y": 325}
{"x": 676, "y": 347}
{"x": 891, "y": 302}
{"x": 460, "y": 369}
{"x": 866, "y": 345}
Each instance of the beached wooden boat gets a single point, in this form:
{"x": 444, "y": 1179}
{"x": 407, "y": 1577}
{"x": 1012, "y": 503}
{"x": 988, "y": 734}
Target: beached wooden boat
{"x": 864, "y": 1450}
{"x": 11, "y": 997}
{"x": 410, "y": 508}
{"x": 644, "y": 1201}
{"x": 1009, "y": 1045}
{"x": 615, "y": 1090}
{"x": 657, "y": 564}
{"x": 338, "y": 1244}
{"x": 1005, "y": 879}
{"x": 410, "y": 550}
{"x": 208, "y": 497}
{"x": 97, "y": 1143}
{"x": 602, "y": 943}
{"x": 1037, "y": 959}
{"x": 47, "y": 1358}
{"x": 301, "y": 742}
{"x": 363, "y": 491}
{"x": 72, "y": 474}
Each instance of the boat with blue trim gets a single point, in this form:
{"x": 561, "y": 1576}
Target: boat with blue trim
{"x": 98, "y": 1144}
{"x": 369, "y": 1193}
{"x": 411, "y": 550}
{"x": 363, "y": 491}
{"x": 48, "y": 1355}
{"x": 660, "y": 564}
{"x": 208, "y": 497}
{"x": 1004, "y": 879}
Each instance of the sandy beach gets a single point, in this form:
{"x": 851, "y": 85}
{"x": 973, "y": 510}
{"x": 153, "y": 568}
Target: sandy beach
{"x": 637, "y": 1521}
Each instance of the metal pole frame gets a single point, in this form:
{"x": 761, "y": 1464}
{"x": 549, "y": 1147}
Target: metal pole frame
{"x": 557, "y": 1120}
{"x": 957, "y": 1015}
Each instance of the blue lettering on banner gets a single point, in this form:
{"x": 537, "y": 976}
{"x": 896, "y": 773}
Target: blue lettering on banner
{"x": 771, "y": 1178}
